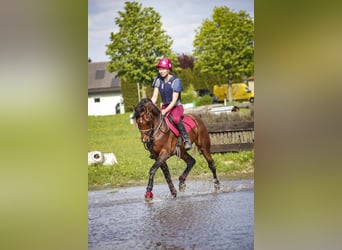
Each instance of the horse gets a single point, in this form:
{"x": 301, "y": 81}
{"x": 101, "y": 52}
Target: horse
{"x": 162, "y": 143}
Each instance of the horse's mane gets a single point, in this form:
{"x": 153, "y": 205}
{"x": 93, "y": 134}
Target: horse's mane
{"x": 143, "y": 105}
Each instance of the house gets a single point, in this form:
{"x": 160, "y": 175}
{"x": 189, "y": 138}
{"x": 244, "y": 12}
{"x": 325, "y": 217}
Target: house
{"x": 104, "y": 90}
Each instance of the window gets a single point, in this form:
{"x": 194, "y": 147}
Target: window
{"x": 115, "y": 82}
{"x": 97, "y": 99}
{"x": 99, "y": 74}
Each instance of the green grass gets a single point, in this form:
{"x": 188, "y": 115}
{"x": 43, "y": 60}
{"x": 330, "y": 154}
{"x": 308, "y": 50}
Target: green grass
{"x": 116, "y": 134}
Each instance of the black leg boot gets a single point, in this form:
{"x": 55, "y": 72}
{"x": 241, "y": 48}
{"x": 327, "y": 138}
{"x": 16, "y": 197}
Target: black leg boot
{"x": 184, "y": 134}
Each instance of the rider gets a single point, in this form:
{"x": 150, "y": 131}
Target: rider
{"x": 170, "y": 88}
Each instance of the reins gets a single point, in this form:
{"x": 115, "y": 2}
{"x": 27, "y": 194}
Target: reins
{"x": 149, "y": 144}
{"x": 151, "y": 132}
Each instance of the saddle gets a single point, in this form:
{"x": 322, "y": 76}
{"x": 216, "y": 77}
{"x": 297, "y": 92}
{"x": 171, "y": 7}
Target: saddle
{"x": 189, "y": 124}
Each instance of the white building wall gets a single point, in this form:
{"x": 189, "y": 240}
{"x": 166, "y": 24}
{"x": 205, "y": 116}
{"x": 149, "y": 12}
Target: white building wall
{"x": 106, "y": 104}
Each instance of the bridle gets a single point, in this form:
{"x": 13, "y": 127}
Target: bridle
{"x": 151, "y": 132}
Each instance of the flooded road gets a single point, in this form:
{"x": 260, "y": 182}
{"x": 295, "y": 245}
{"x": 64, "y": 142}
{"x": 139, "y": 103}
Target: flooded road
{"x": 199, "y": 218}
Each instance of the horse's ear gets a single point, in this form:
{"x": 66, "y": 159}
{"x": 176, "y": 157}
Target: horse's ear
{"x": 135, "y": 108}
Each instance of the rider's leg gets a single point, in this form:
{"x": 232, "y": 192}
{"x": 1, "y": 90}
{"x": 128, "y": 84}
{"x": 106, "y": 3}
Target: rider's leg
{"x": 184, "y": 134}
{"x": 176, "y": 115}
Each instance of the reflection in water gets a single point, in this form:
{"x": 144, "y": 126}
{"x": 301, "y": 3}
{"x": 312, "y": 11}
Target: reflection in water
{"x": 196, "y": 219}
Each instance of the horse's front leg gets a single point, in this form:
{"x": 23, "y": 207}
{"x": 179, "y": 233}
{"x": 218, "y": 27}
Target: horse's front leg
{"x": 159, "y": 161}
{"x": 168, "y": 179}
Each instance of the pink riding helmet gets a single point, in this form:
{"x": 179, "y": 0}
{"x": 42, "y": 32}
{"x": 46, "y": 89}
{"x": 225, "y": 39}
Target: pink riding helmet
{"x": 164, "y": 63}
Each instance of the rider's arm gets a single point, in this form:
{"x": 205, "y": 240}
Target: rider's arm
{"x": 155, "y": 95}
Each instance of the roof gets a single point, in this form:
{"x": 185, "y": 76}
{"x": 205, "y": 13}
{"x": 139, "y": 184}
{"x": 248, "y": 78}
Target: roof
{"x": 100, "y": 80}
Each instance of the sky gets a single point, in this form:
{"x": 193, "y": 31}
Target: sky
{"x": 180, "y": 19}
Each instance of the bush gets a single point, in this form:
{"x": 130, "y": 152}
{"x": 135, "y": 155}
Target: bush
{"x": 204, "y": 100}
{"x": 130, "y": 97}
{"x": 188, "y": 98}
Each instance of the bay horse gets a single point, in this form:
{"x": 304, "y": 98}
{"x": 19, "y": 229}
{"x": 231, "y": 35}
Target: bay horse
{"x": 162, "y": 143}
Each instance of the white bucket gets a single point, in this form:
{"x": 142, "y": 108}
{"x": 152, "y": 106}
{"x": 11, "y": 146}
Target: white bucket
{"x": 99, "y": 158}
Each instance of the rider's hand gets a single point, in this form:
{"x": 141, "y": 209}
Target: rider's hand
{"x": 163, "y": 112}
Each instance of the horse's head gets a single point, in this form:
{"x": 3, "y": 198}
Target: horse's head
{"x": 145, "y": 115}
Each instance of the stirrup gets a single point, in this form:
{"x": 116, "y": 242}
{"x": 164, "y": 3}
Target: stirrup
{"x": 187, "y": 145}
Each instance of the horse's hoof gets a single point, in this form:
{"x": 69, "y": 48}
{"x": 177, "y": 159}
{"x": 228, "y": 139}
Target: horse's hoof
{"x": 148, "y": 196}
{"x": 217, "y": 185}
{"x": 173, "y": 192}
{"x": 182, "y": 187}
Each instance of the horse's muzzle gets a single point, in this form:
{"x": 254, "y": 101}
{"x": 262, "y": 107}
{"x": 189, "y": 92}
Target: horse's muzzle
{"x": 145, "y": 139}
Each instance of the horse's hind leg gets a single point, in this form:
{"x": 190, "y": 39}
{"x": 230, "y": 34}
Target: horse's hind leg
{"x": 168, "y": 179}
{"x": 211, "y": 164}
{"x": 190, "y": 162}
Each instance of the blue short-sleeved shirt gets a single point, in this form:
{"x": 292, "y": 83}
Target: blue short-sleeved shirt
{"x": 166, "y": 89}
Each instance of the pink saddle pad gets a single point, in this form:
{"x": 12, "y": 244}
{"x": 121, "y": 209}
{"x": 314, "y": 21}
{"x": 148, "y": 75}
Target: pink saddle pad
{"x": 189, "y": 124}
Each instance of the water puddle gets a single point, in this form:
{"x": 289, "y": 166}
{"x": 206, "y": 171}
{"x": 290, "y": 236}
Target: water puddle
{"x": 198, "y": 218}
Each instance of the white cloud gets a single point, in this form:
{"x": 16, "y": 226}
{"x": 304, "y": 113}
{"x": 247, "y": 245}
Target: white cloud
{"x": 180, "y": 19}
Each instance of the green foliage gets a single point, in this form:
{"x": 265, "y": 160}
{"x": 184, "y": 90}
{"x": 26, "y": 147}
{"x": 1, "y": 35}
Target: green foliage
{"x": 129, "y": 91}
{"x": 224, "y": 45}
{"x": 136, "y": 48}
{"x": 204, "y": 100}
{"x": 186, "y": 77}
{"x": 206, "y": 80}
{"x": 115, "y": 134}
{"x": 189, "y": 95}
{"x": 223, "y": 48}
{"x": 188, "y": 98}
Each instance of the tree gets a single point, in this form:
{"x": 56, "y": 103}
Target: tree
{"x": 186, "y": 61}
{"x": 140, "y": 42}
{"x": 205, "y": 80}
{"x": 225, "y": 45}
{"x": 187, "y": 78}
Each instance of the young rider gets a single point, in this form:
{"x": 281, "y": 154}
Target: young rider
{"x": 170, "y": 88}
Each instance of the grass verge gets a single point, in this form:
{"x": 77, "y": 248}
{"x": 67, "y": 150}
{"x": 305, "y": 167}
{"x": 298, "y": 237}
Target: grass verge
{"x": 116, "y": 134}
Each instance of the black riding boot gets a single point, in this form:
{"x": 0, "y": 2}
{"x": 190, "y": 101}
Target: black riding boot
{"x": 187, "y": 142}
